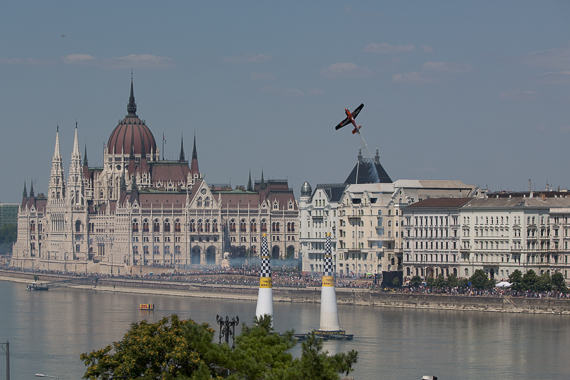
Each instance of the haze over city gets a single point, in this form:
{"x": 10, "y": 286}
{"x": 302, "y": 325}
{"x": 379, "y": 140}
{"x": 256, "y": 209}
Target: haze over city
{"x": 477, "y": 92}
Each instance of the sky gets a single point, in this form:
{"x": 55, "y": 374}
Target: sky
{"x": 471, "y": 91}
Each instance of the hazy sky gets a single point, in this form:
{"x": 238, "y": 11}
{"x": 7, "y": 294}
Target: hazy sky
{"x": 473, "y": 91}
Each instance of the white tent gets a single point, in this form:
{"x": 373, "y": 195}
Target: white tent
{"x": 503, "y": 284}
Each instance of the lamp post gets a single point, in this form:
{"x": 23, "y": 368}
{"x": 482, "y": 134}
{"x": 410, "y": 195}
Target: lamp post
{"x": 42, "y": 375}
{"x": 227, "y": 328}
{"x": 7, "y": 351}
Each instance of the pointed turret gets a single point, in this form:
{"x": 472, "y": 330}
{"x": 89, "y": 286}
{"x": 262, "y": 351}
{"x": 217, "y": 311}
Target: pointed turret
{"x": 24, "y": 196}
{"x": 57, "y": 179}
{"x": 75, "y": 183}
{"x": 32, "y": 197}
{"x": 182, "y": 158}
{"x": 132, "y": 106}
{"x": 262, "y": 182}
{"x": 265, "y": 295}
{"x": 249, "y": 184}
{"x": 195, "y": 172}
{"x": 85, "y": 162}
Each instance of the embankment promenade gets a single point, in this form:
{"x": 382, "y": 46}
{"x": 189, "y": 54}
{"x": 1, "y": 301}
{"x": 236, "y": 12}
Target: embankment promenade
{"x": 345, "y": 296}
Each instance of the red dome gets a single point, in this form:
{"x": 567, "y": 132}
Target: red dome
{"x": 131, "y": 132}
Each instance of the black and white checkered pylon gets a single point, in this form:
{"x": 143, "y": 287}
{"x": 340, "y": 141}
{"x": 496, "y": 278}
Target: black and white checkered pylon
{"x": 328, "y": 267}
{"x": 265, "y": 264}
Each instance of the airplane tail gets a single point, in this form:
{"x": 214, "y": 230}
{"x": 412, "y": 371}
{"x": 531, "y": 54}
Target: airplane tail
{"x": 356, "y": 130}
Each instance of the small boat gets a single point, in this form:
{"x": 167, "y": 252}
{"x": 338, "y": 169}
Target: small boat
{"x": 36, "y": 286}
{"x": 146, "y": 306}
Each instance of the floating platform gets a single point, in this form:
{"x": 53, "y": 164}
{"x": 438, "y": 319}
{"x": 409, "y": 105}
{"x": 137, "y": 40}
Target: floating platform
{"x": 146, "y": 306}
{"x": 326, "y": 335}
{"x": 36, "y": 286}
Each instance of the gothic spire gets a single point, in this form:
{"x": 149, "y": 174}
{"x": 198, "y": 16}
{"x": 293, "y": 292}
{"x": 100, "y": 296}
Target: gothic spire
{"x": 32, "y": 189}
{"x": 132, "y": 106}
{"x": 249, "y": 185}
{"x": 57, "y": 151}
{"x": 85, "y": 162}
{"x": 262, "y": 183}
{"x": 24, "y": 197}
{"x": 194, "y": 164}
{"x": 75, "y": 143}
{"x": 182, "y": 158}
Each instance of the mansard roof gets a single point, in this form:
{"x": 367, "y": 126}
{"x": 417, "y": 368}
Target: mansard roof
{"x": 166, "y": 171}
{"x": 333, "y": 191}
{"x": 368, "y": 170}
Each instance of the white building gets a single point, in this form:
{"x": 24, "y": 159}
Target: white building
{"x": 364, "y": 216}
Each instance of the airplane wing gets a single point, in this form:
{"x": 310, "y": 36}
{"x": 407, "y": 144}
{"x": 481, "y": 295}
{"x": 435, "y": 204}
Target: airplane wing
{"x": 342, "y": 123}
{"x": 357, "y": 111}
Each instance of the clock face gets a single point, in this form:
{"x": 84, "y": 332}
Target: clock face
{"x": 203, "y": 191}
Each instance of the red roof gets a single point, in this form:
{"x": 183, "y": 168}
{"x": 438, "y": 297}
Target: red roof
{"x": 131, "y": 131}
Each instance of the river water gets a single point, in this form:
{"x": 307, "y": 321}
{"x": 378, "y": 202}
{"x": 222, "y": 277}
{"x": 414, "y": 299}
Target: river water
{"x": 48, "y": 330}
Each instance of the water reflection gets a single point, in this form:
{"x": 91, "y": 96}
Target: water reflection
{"x": 48, "y": 330}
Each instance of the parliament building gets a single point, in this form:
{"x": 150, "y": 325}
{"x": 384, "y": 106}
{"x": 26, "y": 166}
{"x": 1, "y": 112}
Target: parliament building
{"x": 139, "y": 214}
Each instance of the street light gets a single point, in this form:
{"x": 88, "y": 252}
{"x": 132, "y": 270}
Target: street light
{"x": 42, "y": 375}
{"x": 7, "y": 351}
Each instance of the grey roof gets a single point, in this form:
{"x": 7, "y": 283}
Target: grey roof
{"x": 333, "y": 191}
{"x": 525, "y": 202}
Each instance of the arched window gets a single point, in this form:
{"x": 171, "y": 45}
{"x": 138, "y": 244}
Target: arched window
{"x": 145, "y": 225}
{"x": 242, "y": 226}
{"x": 214, "y": 226}
{"x": 135, "y": 226}
{"x": 263, "y": 226}
{"x": 166, "y": 226}
{"x": 192, "y": 226}
{"x": 177, "y": 225}
{"x": 232, "y": 225}
{"x": 156, "y": 226}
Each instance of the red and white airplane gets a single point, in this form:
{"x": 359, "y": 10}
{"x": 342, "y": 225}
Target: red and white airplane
{"x": 350, "y": 116}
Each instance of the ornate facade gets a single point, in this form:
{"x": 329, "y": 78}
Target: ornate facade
{"x": 139, "y": 213}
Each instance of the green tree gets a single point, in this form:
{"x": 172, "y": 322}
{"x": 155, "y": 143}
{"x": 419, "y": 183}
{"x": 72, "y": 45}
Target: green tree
{"x": 530, "y": 280}
{"x": 168, "y": 349}
{"x": 452, "y": 280}
{"x": 544, "y": 283}
{"x": 516, "y": 280}
{"x": 479, "y": 280}
{"x": 174, "y": 349}
{"x": 430, "y": 281}
{"x": 440, "y": 281}
{"x": 558, "y": 282}
{"x": 415, "y": 281}
{"x": 8, "y": 236}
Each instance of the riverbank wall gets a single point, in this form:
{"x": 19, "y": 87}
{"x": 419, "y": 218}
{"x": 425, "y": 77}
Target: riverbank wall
{"x": 345, "y": 296}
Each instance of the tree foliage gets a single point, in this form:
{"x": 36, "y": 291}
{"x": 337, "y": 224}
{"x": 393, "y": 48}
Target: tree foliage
{"x": 167, "y": 349}
{"x": 8, "y": 236}
{"x": 452, "y": 281}
{"x": 415, "y": 281}
{"x": 558, "y": 282}
{"x": 516, "y": 280}
{"x": 181, "y": 349}
{"x": 479, "y": 280}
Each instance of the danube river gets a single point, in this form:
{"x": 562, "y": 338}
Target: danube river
{"x": 48, "y": 330}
